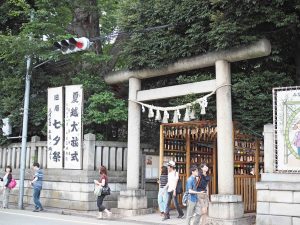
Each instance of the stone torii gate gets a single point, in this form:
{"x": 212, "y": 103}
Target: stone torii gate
{"x": 225, "y": 205}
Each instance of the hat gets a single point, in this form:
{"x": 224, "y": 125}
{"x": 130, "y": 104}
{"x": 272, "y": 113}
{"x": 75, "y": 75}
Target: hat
{"x": 171, "y": 163}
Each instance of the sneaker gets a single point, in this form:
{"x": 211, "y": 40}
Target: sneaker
{"x": 165, "y": 218}
{"x": 180, "y": 216}
{"x": 35, "y": 210}
{"x": 41, "y": 209}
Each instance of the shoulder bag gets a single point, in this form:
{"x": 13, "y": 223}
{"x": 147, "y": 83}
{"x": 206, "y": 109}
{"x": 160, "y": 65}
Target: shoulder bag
{"x": 105, "y": 190}
{"x": 179, "y": 188}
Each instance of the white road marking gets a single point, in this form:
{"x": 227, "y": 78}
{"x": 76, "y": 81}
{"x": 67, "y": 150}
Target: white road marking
{"x": 48, "y": 218}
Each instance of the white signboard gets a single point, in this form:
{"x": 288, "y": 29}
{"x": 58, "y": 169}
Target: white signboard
{"x": 73, "y": 126}
{"x": 287, "y": 128}
{"x": 152, "y": 166}
{"x": 55, "y": 129}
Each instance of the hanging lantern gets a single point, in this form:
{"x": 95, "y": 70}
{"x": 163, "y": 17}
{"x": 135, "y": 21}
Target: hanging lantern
{"x": 187, "y": 114}
{"x": 158, "y": 116}
{"x": 175, "y": 117}
{"x": 166, "y": 117}
{"x": 203, "y": 105}
{"x": 192, "y": 114}
{"x": 151, "y": 113}
{"x": 178, "y": 113}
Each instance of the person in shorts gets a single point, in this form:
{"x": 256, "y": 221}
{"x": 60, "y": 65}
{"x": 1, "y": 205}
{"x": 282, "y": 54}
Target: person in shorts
{"x": 202, "y": 187}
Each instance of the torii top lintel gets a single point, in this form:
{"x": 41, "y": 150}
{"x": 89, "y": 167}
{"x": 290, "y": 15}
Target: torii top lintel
{"x": 259, "y": 49}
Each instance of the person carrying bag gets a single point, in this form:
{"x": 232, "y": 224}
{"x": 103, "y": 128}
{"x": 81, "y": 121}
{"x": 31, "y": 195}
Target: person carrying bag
{"x": 101, "y": 190}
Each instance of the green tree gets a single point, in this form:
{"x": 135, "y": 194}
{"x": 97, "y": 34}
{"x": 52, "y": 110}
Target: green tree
{"x": 56, "y": 20}
{"x": 197, "y": 27}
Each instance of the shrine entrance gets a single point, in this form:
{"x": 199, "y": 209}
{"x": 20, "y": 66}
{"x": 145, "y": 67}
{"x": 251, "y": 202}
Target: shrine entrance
{"x": 225, "y": 206}
{"x": 195, "y": 142}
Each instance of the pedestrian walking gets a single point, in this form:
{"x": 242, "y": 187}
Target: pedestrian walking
{"x": 37, "y": 184}
{"x": 173, "y": 177}
{"x": 191, "y": 187}
{"x": 6, "y": 190}
{"x": 103, "y": 182}
{"x": 202, "y": 187}
{"x": 162, "y": 197}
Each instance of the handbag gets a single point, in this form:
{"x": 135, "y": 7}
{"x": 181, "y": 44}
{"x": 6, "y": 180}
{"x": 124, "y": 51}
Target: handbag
{"x": 98, "y": 190}
{"x": 105, "y": 190}
{"x": 12, "y": 184}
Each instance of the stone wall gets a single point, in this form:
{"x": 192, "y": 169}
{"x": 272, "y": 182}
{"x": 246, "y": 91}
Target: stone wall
{"x": 70, "y": 190}
{"x": 151, "y": 188}
{"x": 73, "y": 189}
{"x": 278, "y": 194}
{"x": 278, "y": 199}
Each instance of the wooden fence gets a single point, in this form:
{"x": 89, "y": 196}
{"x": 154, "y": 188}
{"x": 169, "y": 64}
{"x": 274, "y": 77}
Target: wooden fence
{"x": 245, "y": 186}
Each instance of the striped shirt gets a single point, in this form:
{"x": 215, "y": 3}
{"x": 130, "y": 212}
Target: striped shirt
{"x": 163, "y": 180}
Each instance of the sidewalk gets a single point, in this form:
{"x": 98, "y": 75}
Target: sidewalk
{"x": 148, "y": 219}
{"x": 155, "y": 218}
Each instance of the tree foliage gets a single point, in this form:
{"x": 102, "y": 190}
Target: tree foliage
{"x": 194, "y": 27}
{"x": 198, "y": 27}
{"x": 53, "y": 21}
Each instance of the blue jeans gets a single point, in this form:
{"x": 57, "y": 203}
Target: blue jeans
{"x": 162, "y": 199}
{"x": 175, "y": 200}
{"x": 36, "y": 198}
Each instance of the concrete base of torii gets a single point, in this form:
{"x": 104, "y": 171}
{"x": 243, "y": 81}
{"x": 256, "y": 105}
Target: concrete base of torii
{"x": 132, "y": 203}
{"x": 228, "y": 210}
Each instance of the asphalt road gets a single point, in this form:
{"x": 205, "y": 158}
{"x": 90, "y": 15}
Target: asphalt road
{"x": 21, "y": 217}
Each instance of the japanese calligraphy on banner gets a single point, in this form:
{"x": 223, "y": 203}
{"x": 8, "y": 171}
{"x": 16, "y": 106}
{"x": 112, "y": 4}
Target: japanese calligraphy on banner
{"x": 287, "y": 128}
{"x": 55, "y": 127}
{"x": 73, "y": 127}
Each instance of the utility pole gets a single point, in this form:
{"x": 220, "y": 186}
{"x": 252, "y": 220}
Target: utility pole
{"x": 25, "y": 127}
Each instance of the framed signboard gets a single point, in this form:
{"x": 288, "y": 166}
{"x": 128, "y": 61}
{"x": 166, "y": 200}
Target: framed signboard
{"x": 286, "y": 109}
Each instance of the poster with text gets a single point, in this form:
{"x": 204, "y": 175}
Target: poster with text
{"x": 287, "y": 128}
{"x": 73, "y": 126}
{"x": 55, "y": 131}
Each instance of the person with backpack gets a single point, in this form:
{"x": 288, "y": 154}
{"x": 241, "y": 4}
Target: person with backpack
{"x": 173, "y": 178}
{"x": 191, "y": 186}
{"x": 37, "y": 184}
{"x": 202, "y": 188}
{"x": 7, "y": 178}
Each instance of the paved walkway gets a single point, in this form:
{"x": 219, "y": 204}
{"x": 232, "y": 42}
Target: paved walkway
{"x": 148, "y": 219}
{"x": 155, "y": 218}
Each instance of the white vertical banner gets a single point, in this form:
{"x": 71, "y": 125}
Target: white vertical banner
{"x": 55, "y": 131}
{"x": 73, "y": 126}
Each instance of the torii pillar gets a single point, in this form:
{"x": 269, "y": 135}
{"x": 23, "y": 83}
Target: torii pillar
{"x": 225, "y": 207}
